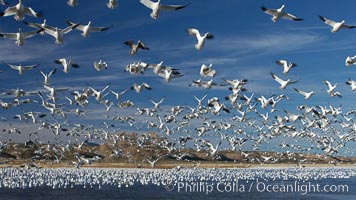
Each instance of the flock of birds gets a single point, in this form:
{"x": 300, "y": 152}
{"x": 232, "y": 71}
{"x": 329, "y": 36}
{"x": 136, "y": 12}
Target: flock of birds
{"x": 242, "y": 120}
{"x": 168, "y": 178}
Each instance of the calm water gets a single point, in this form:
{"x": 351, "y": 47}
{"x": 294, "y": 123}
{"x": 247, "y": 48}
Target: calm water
{"x": 314, "y": 187}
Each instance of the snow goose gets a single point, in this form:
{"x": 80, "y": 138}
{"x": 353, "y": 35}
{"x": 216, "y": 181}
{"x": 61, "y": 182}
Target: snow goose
{"x": 86, "y": 29}
{"x": 336, "y": 26}
{"x": 57, "y": 33}
{"x": 279, "y": 13}
{"x": 39, "y": 26}
{"x": 99, "y": 94}
{"x": 53, "y": 91}
{"x": 206, "y": 71}
{"x": 100, "y": 65}
{"x": 156, "y": 7}
{"x": 168, "y": 73}
{"x": 156, "y": 68}
{"x": 135, "y": 68}
{"x": 19, "y": 36}
{"x": 66, "y": 64}
{"x": 21, "y": 69}
{"x": 350, "y": 60}
{"x": 306, "y": 95}
{"x": 331, "y": 89}
{"x": 48, "y": 76}
{"x": 283, "y": 83}
{"x": 19, "y": 10}
{"x": 205, "y": 84}
{"x": 118, "y": 94}
{"x": 201, "y": 39}
{"x": 134, "y": 47}
{"x": 216, "y": 106}
{"x": 138, "y": 88}
{"x": 18, "y": 92}
{"x": 236, "y": 83}
{"x": 286, "y": 66}
{"x": 213, "y": 150}
{"x": 72, "y": 3}
{"x": 351, "y": 83}
{"x": 264, "y": 101}
{"x": 112, "y": 4}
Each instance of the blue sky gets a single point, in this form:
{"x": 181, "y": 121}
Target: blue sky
{"x": 246, "y": 45}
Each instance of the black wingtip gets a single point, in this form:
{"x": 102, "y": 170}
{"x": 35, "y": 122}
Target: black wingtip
{"x": 181, "y": 7}
{"x": 322, "y": 18}
{"x": 298, "y": 19}
{"x": 39, "y": 15}
{"x": 2, "y": 14}
{"x": 263, "y": 8}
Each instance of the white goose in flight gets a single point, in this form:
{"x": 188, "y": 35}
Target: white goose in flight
{"x": 118, "y": 94}
{"x": 72, "y": 3}
{"x": 212, "y": 150}
{"x": 19, "y": 10}
{"x": 48, "y": 76}
{"x": 168, "y": 73}
{"x": 100, "y": 65}
{"x": 66, "y": 64}
{"x": 138, "y": 88}
{"x": 112, "y": 4}
{"x": 331, "y": 89}
{"x": 134, "y": 47}
{"x": 201, "y": 39}
{"x": 350, "y": 60}
{"x": 156, "y": 7}
{"x": 351, "y": 83}
{"x": 53, "y": 91}
{"x": 86, "y": 29}
{"x": 306, "y": 95}
{"x": 283, "y": 83}
{"x": 279, "y": 13}
{"x": 336, "y": 26}
{"x": 207, "y": 70}
{"x": 57, "y": 33}
{"x": 21, "y": 69}
{"x": 38, "y": 25}
{"x": 287, "y": 66}
{"x": 19, "y": 36}
{"x": 99, "y": 94}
